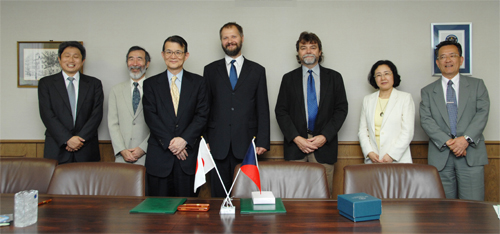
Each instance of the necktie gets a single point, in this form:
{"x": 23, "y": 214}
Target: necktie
{"x": 72, "y": 97}
{"x": 451, "y": 105}
{"x": 174, "y": 91}
{"x": 233, "y": 77}
{"x": 312, "y": 103}
{"x": 136, "y": 97}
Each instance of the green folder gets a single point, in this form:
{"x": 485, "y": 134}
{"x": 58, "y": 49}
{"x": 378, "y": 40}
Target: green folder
{"x": 158, "y": 205}
{"x": 247, "y": 207}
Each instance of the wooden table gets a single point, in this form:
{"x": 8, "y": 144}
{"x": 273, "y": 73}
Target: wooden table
{"x": 101, "y": 214}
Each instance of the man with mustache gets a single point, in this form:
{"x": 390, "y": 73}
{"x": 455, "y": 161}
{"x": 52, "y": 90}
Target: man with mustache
{"x": 311, "y": 108}
{"x": 239, "y": 108}
{"x": 127, "y": 127}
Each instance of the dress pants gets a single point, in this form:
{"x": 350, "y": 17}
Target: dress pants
{"x": 226, "y": 169}
{"x": 461, "y": 180}
{"x": 177, "y": 184}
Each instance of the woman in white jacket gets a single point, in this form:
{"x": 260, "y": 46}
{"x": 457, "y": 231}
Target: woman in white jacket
{"x": 387, "y": 118}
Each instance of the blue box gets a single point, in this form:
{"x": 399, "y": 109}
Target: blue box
{"x": 359, "y": 206}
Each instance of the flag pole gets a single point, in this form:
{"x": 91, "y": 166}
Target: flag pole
{"x": 236, "y": 177}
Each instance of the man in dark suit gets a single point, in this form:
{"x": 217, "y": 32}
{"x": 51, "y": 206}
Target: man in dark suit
{"x": 311, "y": 108}
{"x": 239, "y": 108}
{"x": 454, "y": 112}
{"x": 70, "y": 106}
{"x": 176, "y": 110}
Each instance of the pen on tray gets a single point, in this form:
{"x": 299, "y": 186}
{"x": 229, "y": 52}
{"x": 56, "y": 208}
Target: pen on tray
{"x": 44, "y": 202}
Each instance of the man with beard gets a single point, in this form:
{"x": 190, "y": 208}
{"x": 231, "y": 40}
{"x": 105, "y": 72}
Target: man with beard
{"x": 239, "y": 108}
{"x": 311, "y": 108}
{"x": 127, "y": 127}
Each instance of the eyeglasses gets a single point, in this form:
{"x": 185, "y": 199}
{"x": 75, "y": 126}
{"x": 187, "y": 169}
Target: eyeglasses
{"x": 177, "y": 53}
{"x": 451, "y": 56}
{"x": 379, "y": 75}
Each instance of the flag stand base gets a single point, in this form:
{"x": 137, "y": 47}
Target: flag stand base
{"x": 227, "y": 207}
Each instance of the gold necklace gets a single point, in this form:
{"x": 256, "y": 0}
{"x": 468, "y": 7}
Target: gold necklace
{"x": 382, "y": 109}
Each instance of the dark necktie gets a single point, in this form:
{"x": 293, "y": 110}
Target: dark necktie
{"x": 233, "y": 77}
{"x": 72, "y": 97}
{"x": 451, "y": 105}
{"x": 136, "y": 97}
{"x": 312, "y": 103}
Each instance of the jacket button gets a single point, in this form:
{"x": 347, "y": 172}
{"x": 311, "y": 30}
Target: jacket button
{"x": 232, "y": 108}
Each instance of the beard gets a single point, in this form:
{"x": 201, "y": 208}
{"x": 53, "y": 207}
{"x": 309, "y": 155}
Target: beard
{"x": 234, "y": 52}
{"x": 137, "y": 75}
{"x": 306, "y": 59}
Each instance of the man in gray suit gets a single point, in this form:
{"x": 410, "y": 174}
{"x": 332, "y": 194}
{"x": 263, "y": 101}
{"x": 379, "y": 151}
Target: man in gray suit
{"x": 454, "y": 112}
{"x": 127, "y": 127}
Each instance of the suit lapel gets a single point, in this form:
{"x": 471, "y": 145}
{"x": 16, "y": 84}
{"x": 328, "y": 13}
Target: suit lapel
{"x": 463, "y": 96}
{"x": 222, "y": 70}
{"x": 439, "y": 101}
{"x": 324, "y": 84}
{"x": 165, "y": 96}
{"x": 372, "y": 107}
{"x": 391, "y": 103}
{"x": 244, "y": 74}
{"x": 83, "y": 89}
{"x": 299, "y": 89}
{"x": 186, "y": 87}
{"x": 127, "y": 98}
{"x": 60, "y": 86}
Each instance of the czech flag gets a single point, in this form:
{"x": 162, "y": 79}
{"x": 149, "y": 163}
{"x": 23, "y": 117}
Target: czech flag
{"x": 250, "y": 167}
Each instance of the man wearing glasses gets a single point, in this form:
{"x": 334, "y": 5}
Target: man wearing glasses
{"x": 454, "y": 112}
{"x": 175, "y": 110}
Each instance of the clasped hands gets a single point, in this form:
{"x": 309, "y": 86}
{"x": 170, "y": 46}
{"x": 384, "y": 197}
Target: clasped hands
{"x": 375, "y": 158}
{"x": 178, "y": 147}
{"x": 132, "y": 155}
{"x": 458, "y": 146}
{"x": 74, "y": 143}
{"x": 308, "y": 146}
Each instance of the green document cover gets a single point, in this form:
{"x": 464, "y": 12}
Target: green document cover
{"x": 158, "y": 205}
{"x": 247, "y": 207}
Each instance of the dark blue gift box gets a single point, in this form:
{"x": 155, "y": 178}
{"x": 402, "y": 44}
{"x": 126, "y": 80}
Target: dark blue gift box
{"x": 359, "y": 206}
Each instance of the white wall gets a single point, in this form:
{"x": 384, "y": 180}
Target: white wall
{"x": 355, "y": 34}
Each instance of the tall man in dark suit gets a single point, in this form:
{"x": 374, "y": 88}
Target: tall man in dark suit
{"x": 311, "y": 108}
{"x": 454, "y": 112}
{"x": 176, "y": 111}
{"x": 239, "y": 108}
{"x": 70, "y": 106}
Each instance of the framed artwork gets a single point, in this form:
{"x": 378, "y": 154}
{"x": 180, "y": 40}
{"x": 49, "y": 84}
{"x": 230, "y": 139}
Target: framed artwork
{"x": 36, "y": 59}
{"x": 462, "y": 32}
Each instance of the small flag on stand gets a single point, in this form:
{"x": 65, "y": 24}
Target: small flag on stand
{"x": 250, "y": 166}
{"x": 204, "y": 164}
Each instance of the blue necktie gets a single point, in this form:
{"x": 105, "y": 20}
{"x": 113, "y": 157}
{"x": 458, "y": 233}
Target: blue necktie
{"x": 233, "y": 77}
{"x": 312, "y": 103}
{"x": 451, "y": 105}
{"x": 72, "y": 97}
{"x": 136, "y": 97}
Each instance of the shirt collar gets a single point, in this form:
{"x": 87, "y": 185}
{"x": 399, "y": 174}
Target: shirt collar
{"x": 76, "y": 76}
{"x": 315, "y": 69}
{"x": 179, "y": 75}
{"x": 455, "y": 79}
{"x": 239, "y": 59}
{"x": 141, "y": 81}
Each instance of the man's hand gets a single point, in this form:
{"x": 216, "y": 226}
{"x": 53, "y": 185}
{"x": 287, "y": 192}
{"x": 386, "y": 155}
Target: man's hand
{"x": 374, "y": 157}
{"x": 387, "y": 159}
{"x": 127, "y": 155}
{"x": 137, "y": 152}
{"x": 318, "y": 141}
{"x": 182, "y": 155}
{"x": 305, "y": 145}
{"x": 177, "y": 145}
{"x": 458, "y": 146}
{"x": 260, "y": 150}
{"x": 74, "y": 143}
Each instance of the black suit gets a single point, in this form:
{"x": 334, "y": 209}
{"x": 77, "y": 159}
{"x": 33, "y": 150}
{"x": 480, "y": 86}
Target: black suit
{"x": 164, "y": 125}
{"x": 55, "y": 112}
{"x": 236, "y": 116}
{"x": 291, "y": 113}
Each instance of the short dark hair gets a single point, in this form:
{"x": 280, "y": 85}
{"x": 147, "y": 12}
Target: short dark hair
{"x": 394, "y": 70}
{"x": 451, "y": 41}
{"x": 312, "y": 39}
{"x": 176, "y": 39}
{"x": 75, "y": 44}
{"x": 134, "y": 48}
{"x": 230, "y": 25}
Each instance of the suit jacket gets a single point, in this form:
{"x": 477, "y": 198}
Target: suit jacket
{"x": 55, "y": 112}
{"x": 397, "y": 127}
{"x": 236, "y": 116}
{"x": 189, "y": 123}
{"x": 291, "y": 113}
{"x": 473, "y": 110}
{"x": 127, "y": 130}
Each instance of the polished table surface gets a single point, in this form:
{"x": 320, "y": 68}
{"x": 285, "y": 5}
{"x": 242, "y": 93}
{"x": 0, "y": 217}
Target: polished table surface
{"x": 106, "y": 214}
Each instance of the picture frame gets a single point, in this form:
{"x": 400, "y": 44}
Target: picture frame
{"x": 36, "y": 59}
{"x": 461, "y": 31}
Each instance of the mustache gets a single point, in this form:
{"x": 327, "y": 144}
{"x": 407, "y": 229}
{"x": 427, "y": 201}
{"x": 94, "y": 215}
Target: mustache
{"x": 308, "y": 55}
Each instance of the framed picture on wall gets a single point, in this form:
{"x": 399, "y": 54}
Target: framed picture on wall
{"x": 36, "y": 59}
{"x": 462, "y": 32}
